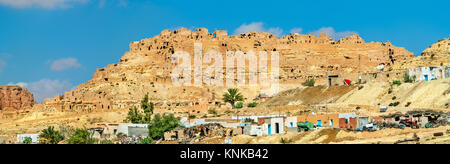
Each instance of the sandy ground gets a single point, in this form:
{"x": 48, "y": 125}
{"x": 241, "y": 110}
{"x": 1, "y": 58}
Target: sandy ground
{"x": 337, "y": 136}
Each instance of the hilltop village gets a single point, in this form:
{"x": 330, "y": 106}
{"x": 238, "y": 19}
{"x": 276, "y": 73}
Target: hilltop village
{"x": 344, "y": 91}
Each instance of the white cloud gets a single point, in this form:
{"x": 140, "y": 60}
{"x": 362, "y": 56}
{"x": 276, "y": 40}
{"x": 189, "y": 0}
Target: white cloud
{"x": 48, "y": 4}
{"x": 296, "y": 30}
{"x": 119, "y": 3}
{"x": 66, "y": 63}
{"x": 258, "y": 27}
{"x": 45, "y": 88}
{"x": 332, "y": 33}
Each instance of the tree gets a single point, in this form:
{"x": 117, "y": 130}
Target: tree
{"x": 232, "y": 96}
{"x": 137, "y": 117}
{"x": 27, "y": 140}
{"x": 51, "y": 136}
{"x": 161, "y": 124}
{"x": 134, "y": 116}
{"x": 81, "y": 136}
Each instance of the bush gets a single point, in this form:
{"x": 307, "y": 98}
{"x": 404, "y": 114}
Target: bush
{"x": 212, "y": 111}
{"x": 239, "y": 104}
{"x": 394, "y": 104}
{"x": 360, "y": 87}
{"x": 285, "y": 141}
{"x": 390, "y": 91}
{"x": 395, "y": 97}
{"x": 309, "y": 83}
{"x": 252, "y": 105}
{"x": 81, "y": 136}
{"x": 409, "y": 79}
{"x": 358, "y": 108}
{"x": 106, "y": 142}
{"x": 192, "y": 116}
{"x": 27, "y": 140}
{"x": 407, "y": 104}
{"x": 147, "y": 140}
{"x": 396, "y": 82}
{"x": 249, "y": 120}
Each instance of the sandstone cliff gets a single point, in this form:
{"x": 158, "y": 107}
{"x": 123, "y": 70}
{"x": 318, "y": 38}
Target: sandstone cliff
{"x": 14, "y": 97}
{"x": 146, "y": 68}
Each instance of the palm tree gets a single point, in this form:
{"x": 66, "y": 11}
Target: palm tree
{"x": 232, "y": 96}
{"x": 51, "y": 135}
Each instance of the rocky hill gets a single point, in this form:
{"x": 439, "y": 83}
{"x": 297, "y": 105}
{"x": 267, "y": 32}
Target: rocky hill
{"x": 15, "y": 97}
{"x": 146, "y": 68}
{"x": 437, "y": 54}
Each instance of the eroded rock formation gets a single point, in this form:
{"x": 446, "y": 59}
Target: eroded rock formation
{"x": 146, "y": 68}
{"x": 15, "y": 97}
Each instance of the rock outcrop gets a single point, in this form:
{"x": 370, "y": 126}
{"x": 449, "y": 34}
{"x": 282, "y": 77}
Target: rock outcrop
{"x": 437, "y": 54}
{"x": 146, "y": 68}
{"x": 15, "y": 98}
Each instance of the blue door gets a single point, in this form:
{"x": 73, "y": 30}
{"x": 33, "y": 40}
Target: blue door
{"x": 331, "y": 122}
{"x": 426, "y": 77}
{"x": 270, "y": 129}
{"x": 292, "y": 124}
{"x": 319, "y": 122}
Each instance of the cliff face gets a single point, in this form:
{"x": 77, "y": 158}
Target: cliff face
{"x": 146, "y": 68}
{"x": 14, "y": 97}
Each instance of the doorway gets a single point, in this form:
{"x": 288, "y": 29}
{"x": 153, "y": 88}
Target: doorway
{"x": 277, "y": 128}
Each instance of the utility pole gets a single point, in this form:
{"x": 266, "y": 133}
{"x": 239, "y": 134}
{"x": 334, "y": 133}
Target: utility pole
{"x": 359, "y": 69}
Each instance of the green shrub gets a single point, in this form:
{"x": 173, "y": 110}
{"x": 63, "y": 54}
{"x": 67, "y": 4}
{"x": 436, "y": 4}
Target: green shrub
{"x": 309, "y": 83}
{"x": 285, "y": 141}
{"x": 212, "y": 111}
{"x": 358, "y": 108}
{"x": 407, "y": 104}
{"x": 409, "y": 79}
{"x": 147, "y": 140}
{"x": 396, "y": 82}
{"x": 106, "y": 142}
{"x": 27, "y": 140}
{"x": 360, "y": 87}
{"x": 389, "y": 90}
{"x": 395, "y": 97}
{"x": 81, "y": 136}
{"x": 252, "y": 105}
{"x": 249, "y": 120}
{"x": 394, "y": 104}
{"x": 239, "y": 104}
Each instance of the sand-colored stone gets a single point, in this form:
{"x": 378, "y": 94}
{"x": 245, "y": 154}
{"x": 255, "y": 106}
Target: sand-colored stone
{"x": 15, "y": 97}
{"x": 146, "y": 68}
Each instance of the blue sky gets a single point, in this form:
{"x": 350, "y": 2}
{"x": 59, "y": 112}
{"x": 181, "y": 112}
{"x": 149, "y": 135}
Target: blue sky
{"x": 52, "y": 46}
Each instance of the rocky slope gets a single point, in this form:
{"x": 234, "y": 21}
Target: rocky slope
{"x": 15, "y": 97}
{"x": 437, "y": 54}
{"x": 146, "y": 68}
